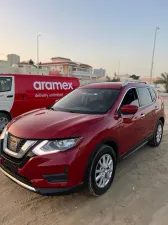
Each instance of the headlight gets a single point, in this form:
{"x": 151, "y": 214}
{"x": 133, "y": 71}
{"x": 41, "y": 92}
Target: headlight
{"x": 46, "y": 147}
{"x": 3, "y": 133}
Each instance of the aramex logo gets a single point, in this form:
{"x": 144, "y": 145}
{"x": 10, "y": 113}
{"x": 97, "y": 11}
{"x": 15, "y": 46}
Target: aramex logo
{"x": 52, "y": 85}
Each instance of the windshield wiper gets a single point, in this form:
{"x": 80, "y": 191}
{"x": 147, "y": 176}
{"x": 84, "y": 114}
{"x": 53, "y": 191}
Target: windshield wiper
{"x": 61, "y": 110}
{"x": 51, "y": 108}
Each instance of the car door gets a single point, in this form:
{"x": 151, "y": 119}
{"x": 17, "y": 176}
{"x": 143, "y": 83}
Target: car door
{"x": 131, "y": 128}
{"x": 156, "y": 107}
{"x": 6, "y": 93}
{"x": 146, "y": 111}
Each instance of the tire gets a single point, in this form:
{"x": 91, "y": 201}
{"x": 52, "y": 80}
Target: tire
{"x": 4, "y": 120}
{"x": 158, "y": 133}
{"x": 93, "y": 185}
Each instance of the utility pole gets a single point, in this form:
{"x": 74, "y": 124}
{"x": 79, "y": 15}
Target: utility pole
{"x": 153, "y": 53}
{"x": 38, "y": 51}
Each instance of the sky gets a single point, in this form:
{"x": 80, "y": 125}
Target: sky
{"x": 96, "y": 32}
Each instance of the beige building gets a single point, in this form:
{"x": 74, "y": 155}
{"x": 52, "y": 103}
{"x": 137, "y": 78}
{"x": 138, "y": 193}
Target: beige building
{"x": 67, "y": 67}
{"x": 20, "y": 68}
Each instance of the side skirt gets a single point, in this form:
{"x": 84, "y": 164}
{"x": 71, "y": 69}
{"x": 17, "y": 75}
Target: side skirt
{"x": 135, "y": 148}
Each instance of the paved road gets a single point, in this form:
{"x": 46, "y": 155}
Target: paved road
{"x": 138, "y": 197}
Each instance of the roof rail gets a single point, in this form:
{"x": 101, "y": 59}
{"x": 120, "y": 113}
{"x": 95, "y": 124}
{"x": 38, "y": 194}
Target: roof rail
{"x": 132, "y": 81}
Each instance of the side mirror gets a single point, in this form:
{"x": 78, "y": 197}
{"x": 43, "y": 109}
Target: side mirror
{"x": 129, "y": 109}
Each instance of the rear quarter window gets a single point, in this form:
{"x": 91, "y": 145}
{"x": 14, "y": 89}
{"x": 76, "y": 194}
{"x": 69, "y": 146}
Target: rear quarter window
{"x": 153, "y": 94}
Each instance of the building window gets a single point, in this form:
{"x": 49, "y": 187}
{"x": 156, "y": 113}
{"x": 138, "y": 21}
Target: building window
{"x": 74, "y": 69}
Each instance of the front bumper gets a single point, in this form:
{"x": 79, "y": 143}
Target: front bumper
{"x": 42, "y": 191}
{"x": 49, "y": 174}
{"x": 17, "y": 180}
{"x": 56, "y": 173}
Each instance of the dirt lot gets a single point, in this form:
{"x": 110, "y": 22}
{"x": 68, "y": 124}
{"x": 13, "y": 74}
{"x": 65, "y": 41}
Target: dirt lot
{"x": 138, "y": 196}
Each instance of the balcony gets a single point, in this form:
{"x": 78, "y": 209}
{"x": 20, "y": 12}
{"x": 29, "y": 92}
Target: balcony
{"x": 82, "y": 74}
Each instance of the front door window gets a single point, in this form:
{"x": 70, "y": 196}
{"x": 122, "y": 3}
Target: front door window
{"x": 131, "y": 98}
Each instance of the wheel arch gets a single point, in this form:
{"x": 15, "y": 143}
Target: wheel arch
{"x": 112, "y": 143}
{"x": 162, "y": 119}
{"x": 108, "y": 141}
{"x": 7, "y": 113}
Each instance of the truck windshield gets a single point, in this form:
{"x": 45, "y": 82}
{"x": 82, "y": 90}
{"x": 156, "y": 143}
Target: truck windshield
{"x": 5, "y": 84}
{"x": 87, "y": 101}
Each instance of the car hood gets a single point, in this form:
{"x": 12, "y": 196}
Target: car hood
{"x": 48, "y": 124}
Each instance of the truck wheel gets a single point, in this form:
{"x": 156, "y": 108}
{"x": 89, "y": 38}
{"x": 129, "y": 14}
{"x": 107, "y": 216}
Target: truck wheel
{"x": 157, "y": 136}
{"x": 4, "y": 120}
{"x": 102, "y": 171}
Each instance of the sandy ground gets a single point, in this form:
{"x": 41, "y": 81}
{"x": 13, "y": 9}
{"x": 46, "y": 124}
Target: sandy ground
{"x": 138, "y": 196}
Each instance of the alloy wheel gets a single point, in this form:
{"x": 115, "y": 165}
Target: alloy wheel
{"x": 159, "y": 133}
{"x": 104, "y": 170}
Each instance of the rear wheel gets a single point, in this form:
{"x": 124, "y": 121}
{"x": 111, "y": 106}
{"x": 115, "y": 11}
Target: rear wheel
{"x": 157, "y": 137}
{"x": 4, "y": 120}
{"x": 102, "y": 170}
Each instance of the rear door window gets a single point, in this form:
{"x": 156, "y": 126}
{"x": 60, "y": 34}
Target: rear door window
{"x": 5, "y": 84}
{"x": 144, "y": 96}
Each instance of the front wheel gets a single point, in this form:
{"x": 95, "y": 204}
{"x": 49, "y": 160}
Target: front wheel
{"x": 4, "y": 120}
{"x": 102, "y": 171}
{"x": 157, "y": 137}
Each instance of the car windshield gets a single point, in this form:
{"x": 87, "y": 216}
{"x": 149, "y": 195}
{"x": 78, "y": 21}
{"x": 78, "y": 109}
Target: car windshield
{"x": 87, "y": 101}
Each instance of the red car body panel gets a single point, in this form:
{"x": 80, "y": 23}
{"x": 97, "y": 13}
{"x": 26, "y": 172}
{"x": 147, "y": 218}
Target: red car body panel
{"x": 59, "y": 124}
{"x": 126, "y": 131}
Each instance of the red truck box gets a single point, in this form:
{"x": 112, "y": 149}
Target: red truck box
{"x": 20, "y": 93}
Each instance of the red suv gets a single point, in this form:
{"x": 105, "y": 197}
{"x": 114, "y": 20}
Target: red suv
{"x": 81, "y": 137}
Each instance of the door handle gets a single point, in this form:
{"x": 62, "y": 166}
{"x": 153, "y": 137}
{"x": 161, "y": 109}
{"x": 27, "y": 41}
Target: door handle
{"x": 9, "y": 96}
{"x": 156, "y": 107}
{"x": 142, "y": 116}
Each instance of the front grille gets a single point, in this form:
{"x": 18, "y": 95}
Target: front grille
{"x": 19, "y": 161}
{"x": 15, "y": 144}
{"x": 6, "y": 156}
